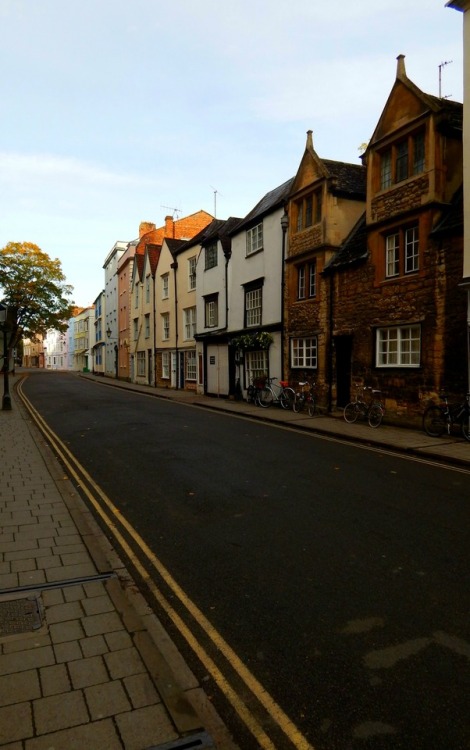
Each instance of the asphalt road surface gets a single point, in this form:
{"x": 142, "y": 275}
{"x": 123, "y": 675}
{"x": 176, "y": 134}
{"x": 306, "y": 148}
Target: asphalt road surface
{"x": 338, "y": 575}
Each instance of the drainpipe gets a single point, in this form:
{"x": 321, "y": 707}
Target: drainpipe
{"x": 154, "y": 336}
{"x": 330, "y": 346}
{"x": 284, "y": 226}
{"x": 174, "y": 266}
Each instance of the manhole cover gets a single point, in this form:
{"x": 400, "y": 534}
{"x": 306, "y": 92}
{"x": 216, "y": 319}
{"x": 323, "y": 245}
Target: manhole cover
{"x": 19, "y": 616}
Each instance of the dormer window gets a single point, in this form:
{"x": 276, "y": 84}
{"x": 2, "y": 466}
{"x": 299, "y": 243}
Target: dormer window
{"x": 211, "y": 256}
{"x": 402, "y": 160}
{"x": 309, "y": 210}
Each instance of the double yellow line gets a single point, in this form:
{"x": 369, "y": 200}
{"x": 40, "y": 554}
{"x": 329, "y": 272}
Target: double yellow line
{"x": 274, "y": 711}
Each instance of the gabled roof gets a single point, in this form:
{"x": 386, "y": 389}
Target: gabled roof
{"x": 153, "y": 253}
{"x": 174, "y": 245}
{"x": 353, "y": 250}
{"x": 269, "y": 203}
{"x": 451, "y": 112}
{"x": 343, "y": 178}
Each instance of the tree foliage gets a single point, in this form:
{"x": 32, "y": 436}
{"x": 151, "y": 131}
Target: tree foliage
{"x": 33, "y": 287}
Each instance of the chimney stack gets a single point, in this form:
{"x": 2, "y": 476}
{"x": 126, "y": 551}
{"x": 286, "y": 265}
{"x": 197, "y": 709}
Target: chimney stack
{"x": 145, "y": 227}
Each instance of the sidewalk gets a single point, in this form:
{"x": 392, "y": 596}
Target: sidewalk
{"x": 83, "y": 661}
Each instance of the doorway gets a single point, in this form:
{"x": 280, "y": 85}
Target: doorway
{"x": 343, "y": 349}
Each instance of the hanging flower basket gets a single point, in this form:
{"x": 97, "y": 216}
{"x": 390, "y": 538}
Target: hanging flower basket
{"x": 253, "y": 341}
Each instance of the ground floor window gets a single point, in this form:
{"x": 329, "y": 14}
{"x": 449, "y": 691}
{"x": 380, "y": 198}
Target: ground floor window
{"x": 256, "y": 365}
{"x": 141, "y": 364}
{"x": 399, "y": 346}
{"x": 165, "y": 364}
{"x": 191, "y": 369}
{"x": 303, "y": 352}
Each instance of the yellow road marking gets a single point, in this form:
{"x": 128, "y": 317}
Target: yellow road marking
{"x": 270, "y": 705}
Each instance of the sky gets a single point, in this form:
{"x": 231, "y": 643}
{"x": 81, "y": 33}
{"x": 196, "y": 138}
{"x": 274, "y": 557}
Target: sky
{"x": 116, "y": 112}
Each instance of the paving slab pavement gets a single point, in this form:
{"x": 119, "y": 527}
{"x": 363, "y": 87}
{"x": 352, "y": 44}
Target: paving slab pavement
{"x": 84, "y": 663}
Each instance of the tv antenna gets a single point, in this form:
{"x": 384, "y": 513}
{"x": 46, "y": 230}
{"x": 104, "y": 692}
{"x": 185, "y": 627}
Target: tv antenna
{"x": 175, "y": 211}
{"x": 215, "y": 200}
{"x": 442, "y": 65}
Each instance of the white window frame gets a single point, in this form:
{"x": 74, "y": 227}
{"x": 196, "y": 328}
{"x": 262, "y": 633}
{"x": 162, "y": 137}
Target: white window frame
{"x": 191, "y": 365}
{"x": 256, "y": 365}
{"x": 189, "y": 323}
{"x": 304, "y": 353}
{"x": 211, "y": 312}
{"x": 411, "y": 240}
{"x": 398, "y": 346}
{"x": 253, "y": 307}
{"x": 192, "y": 273}
{"x": 254, "y": 239}
{"x": 165, "y": 326}
{"x": 147, "y": 326}
{"x": 165, "y": 285}
{"x": 166, "y": 365}
{"x": 147, "y": 289}
{"x": 141, "y": 368}
{"x": 392, "y": 255}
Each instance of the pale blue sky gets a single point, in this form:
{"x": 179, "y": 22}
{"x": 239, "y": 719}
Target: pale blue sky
{"x": 113, "y": 111}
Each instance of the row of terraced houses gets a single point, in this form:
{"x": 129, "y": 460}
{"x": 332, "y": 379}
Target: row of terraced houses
{"x": 343, "y": 274}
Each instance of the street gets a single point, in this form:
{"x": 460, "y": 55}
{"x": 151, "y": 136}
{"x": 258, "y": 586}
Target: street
{"x": 337, "y": 575}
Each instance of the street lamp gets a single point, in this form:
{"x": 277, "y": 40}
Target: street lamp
{"x": 284, "y": 226}
{"x": 6, "y": 400}
{"x": 116, "y": 364}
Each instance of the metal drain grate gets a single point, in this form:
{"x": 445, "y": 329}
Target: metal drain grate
{"x": 19, "y": 616}
{"x": 200, "y": 741}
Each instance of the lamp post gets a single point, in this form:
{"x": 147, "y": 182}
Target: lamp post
{"x": 116, "y": 364}
{"x": 6, "y": 399}
{"x": 284, "y": 226}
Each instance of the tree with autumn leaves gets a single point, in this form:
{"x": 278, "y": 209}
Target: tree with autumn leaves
{"x": 33, "y": 288}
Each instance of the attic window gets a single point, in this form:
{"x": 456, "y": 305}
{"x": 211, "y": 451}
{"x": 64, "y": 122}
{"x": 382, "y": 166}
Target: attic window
{"x": 405, "y": 158}
{"x": 309, "y": 210}
{"x": 211, "y": 256}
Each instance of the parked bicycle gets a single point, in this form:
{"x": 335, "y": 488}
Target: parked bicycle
{"x": 271, "y": 393}
{"x": 440, "y": 418}
{"x": 305, "y": 398}
{"x": 372, "y": 410}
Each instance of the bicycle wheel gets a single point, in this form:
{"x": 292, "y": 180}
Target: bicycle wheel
{"x": 466, "y": 425}
{"x": 312, "y": 407}
{"x": 434, "y": 421}
{"x": 287, "y": 398}
{"x": 375, "y": 415}
{"x": 351, "y": 412}
{"x": 298, "y": 403}
{"x": 265, "y": 397}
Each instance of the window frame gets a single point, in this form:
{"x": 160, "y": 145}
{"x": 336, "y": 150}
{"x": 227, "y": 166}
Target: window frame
{"x": 254, "y": 239}
{"x": 192, "y": 273}
{"x": 165, "y": 285}
{"x": 392, "y": 352}
{"x": 191, "y": 366}
{"x": 309, "y": 210}
{"x": 211, "y": 259}
{"x": 303, "y": 355}
{"x": 403, "y": 159}
{"x": 211, "y": 311}
{"x": 306, "y": 280}
{"x": 402, "y": 258}
{"x": 189, "y": 322}
{"x": 165, "y": 326}
{"x": 252, "y": 320}
{"x": 166, "y": 365}
{"x": 141, "y": 365}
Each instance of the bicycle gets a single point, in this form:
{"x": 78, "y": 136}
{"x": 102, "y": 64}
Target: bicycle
{"x": 272, "y": 393}
{"x": 440, "y": 418}
{"x": 372, "y": 411}
{"x": 305, "y": 397}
